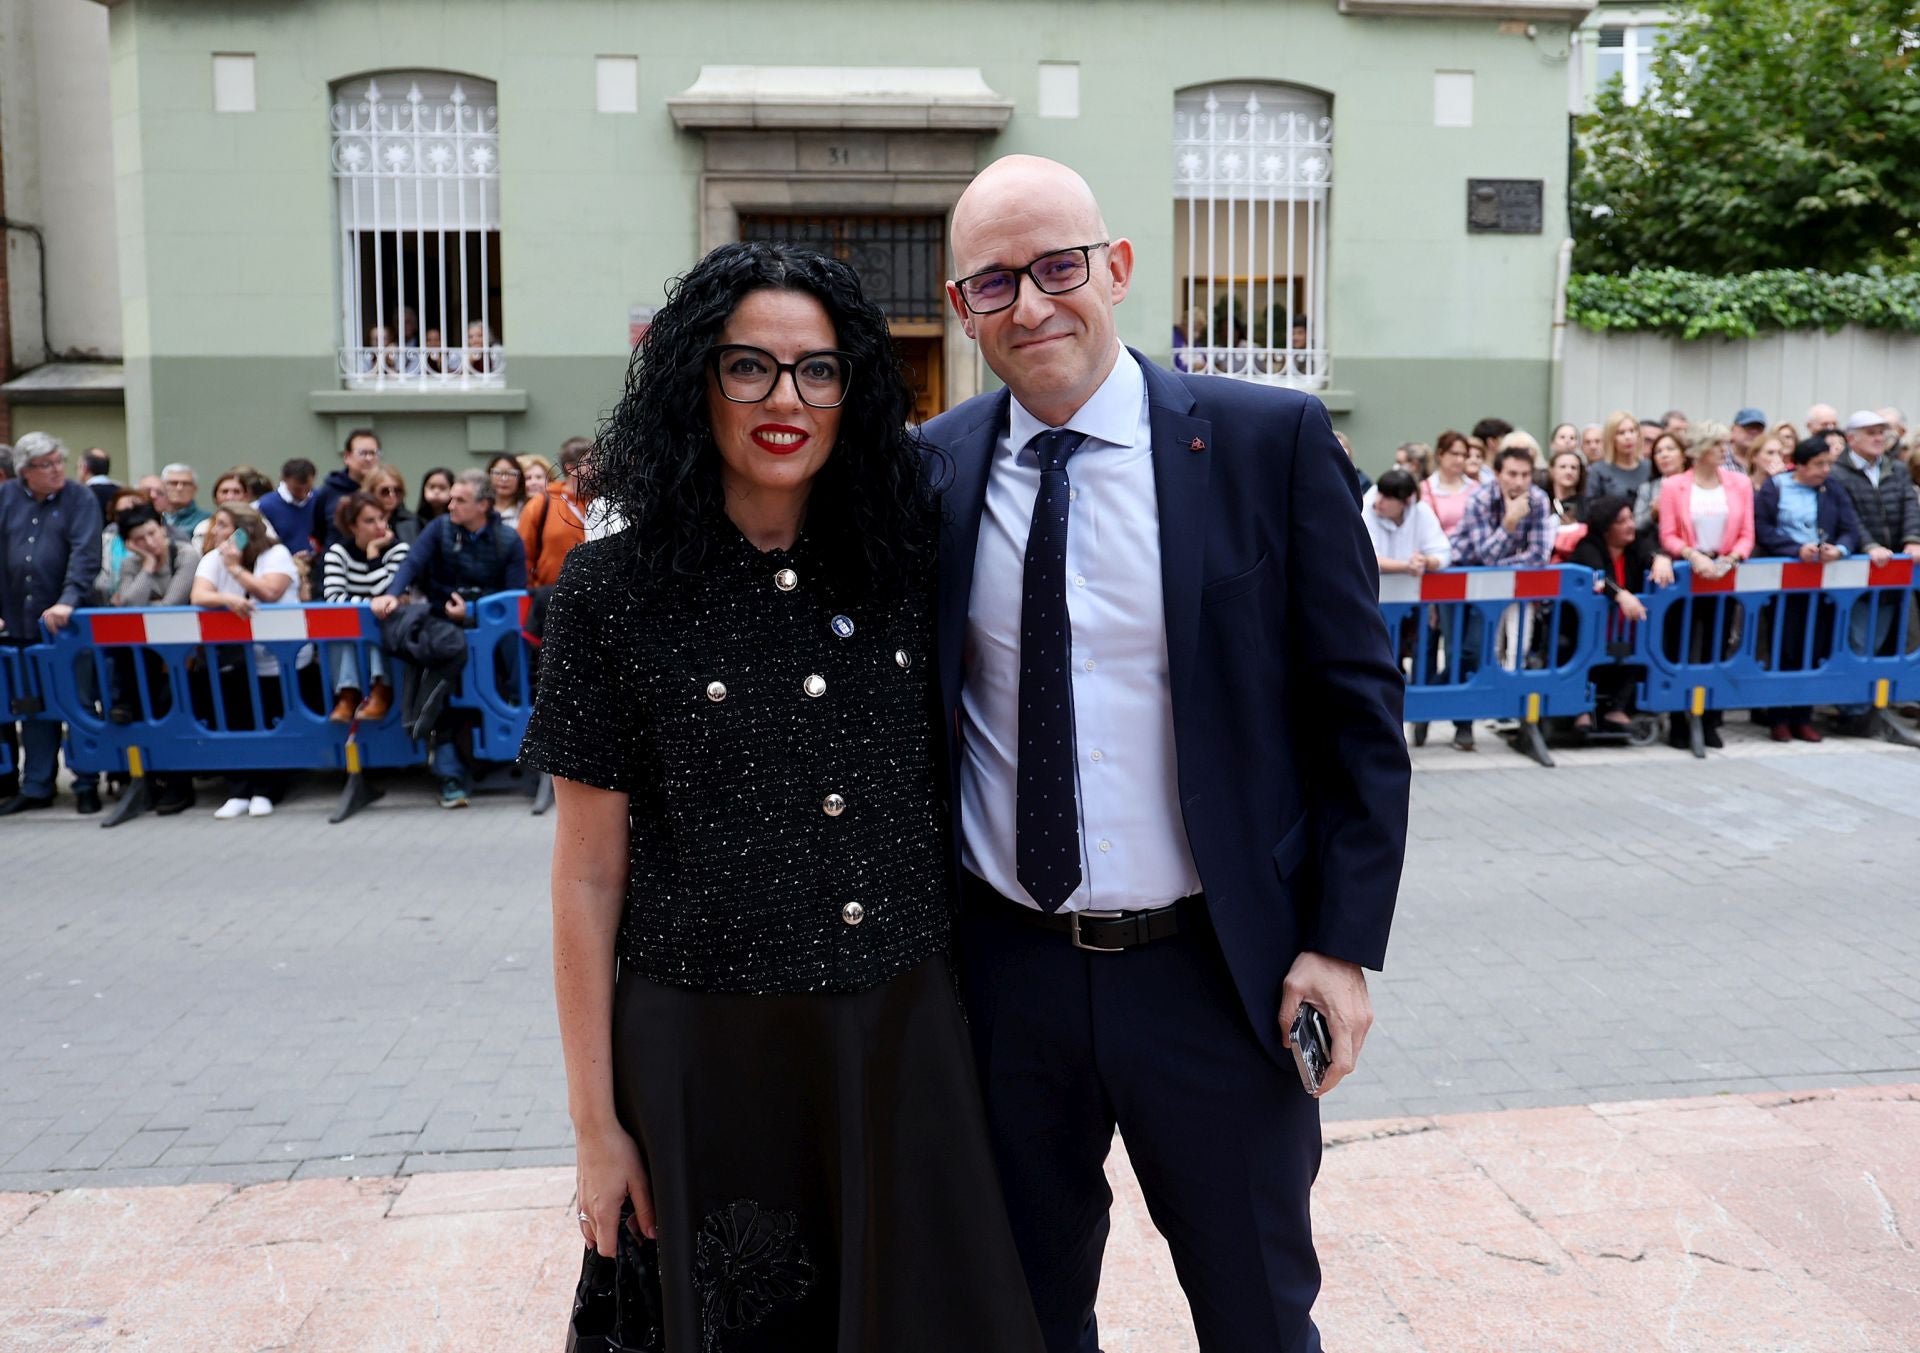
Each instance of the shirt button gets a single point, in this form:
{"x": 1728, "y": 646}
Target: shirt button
{"x": 1073, "y": 495}
{"x": 834, "y": 805}
{"x": 1105, "y": 846}
{"x": 786, "y": 580}
{"x": 815, "y": 686}
{"x": 1089, "y": 664}
{"x": 1079, "y": 580}
{"x": 853, "y": 913}
{"x": 716, "y": 692}
{"x": 900, "y": 657}
{"x": 1098, "y": 755}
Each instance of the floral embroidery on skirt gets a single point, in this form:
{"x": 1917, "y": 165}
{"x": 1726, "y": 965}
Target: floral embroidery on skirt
{"x": 746, "y": 1262}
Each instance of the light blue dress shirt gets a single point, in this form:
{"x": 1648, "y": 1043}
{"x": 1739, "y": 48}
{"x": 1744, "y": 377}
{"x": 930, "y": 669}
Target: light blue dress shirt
{"x": 1132, "y": 837}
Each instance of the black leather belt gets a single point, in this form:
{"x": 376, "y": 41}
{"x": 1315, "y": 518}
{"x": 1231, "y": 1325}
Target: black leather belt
{"x": 1100, "y": 932}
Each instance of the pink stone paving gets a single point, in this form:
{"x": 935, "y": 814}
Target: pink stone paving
{"x": 1775, "y": 1221}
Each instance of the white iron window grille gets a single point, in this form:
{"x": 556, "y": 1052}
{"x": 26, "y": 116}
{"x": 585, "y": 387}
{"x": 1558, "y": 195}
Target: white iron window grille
{"x": 416, "y": 168}
{"x": 1252, "y": 168}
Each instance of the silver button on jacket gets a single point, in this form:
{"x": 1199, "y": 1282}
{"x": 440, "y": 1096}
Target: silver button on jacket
{"x": 853, "y": 913}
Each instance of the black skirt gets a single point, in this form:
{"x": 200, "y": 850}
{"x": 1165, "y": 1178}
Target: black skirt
{"x": 821, "y": 1175}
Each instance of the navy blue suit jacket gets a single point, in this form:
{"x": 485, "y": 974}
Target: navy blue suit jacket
{"x": 1286, "y": 698}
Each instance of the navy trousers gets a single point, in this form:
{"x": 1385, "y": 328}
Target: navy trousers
{"x": 1153, "y": 1041}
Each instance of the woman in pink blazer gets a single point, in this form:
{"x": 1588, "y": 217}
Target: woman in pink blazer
{"x": 1706, "y": 520}
{"x": 1706, "y": 515}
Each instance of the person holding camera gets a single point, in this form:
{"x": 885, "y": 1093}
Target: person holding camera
{"x": 459, "y": 558}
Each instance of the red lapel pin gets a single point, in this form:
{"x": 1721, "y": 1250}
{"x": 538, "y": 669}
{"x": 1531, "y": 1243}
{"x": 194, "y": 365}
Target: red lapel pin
{"x": 1196, "y": 445}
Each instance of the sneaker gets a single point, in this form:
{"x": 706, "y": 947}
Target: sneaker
{"x": 452, "y": 793}
{"x": 231, "y": 808}
{"x": 259, "y": 806}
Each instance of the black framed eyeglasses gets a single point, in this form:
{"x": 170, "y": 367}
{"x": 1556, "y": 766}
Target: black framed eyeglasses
{"x": 748, "y": 375}
{"x": 1055, "y": 274}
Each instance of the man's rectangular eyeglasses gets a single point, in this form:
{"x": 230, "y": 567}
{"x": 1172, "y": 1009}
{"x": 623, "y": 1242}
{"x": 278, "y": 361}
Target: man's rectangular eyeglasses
{"x": 747, "y": 375}
{"x": 1056, "y": 273}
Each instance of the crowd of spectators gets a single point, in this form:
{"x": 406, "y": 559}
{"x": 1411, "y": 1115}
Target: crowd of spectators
{"x": 1630, "y": 497}
{"x": 349, "y": 538}
{"x": 1627, "y": 496}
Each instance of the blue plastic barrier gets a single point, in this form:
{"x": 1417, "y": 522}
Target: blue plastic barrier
{"x": 190, "y": 696}
{"x": 498, "y": 681}
{"x": 1776, "y": 633}
{"x": 1497, "y": 643}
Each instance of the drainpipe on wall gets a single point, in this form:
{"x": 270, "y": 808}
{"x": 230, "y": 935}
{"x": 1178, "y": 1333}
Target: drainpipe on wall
{"x": 1556, "y": 365}
{"x": 6, "y": 324}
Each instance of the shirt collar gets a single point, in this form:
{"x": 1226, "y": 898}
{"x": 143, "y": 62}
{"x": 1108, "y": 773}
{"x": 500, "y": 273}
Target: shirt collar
{"x": 1862, "y": 464}
{"x": 287, "y": 495}
{"x": 1111, "y": 414}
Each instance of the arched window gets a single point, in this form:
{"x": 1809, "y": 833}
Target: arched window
{"x": 1252, "y": 166}
{"x": 416, "y": 169}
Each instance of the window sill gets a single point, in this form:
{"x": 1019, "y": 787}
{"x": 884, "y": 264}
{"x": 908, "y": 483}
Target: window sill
{"x": 416, "y": 401}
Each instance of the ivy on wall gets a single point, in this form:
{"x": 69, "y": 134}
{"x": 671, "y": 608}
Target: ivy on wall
{"x": 1697, "y": 305}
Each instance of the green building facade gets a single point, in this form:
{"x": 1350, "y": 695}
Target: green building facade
{"x": 288, "y": 178}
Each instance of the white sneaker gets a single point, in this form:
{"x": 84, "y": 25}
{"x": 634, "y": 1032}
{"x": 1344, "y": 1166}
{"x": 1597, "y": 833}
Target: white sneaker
{"x": 259, "y": 806}
{"x": 231, "y": 808}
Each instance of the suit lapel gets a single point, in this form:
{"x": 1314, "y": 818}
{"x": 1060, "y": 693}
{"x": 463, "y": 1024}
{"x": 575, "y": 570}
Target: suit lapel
{"x": 1182, "y": 459}
{"x": 971, "y": 457}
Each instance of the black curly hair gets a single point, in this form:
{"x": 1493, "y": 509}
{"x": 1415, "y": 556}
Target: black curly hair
{"x": 871, "y": 508}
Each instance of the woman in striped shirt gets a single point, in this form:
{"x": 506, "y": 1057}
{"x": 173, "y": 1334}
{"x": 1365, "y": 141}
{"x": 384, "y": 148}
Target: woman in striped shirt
{"x": 356, "y": 569}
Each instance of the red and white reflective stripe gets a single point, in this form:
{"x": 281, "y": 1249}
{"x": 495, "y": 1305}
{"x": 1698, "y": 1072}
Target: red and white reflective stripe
{"x": 1494, "y": 584}
{"x": 1791, "y": 575}
{"x": 268, "y": 624}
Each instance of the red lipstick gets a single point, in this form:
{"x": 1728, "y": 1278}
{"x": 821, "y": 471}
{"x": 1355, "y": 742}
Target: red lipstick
{"x": 779, "y": 439}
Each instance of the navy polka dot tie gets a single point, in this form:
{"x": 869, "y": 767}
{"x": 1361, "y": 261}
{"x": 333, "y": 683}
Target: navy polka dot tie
{"x": 1046, "y": 808}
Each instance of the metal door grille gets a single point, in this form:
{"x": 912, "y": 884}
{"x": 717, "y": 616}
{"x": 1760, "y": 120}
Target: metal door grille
{"x": 900, "y": 259}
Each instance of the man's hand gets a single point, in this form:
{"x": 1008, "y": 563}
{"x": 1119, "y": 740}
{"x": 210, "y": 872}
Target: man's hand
{"x": 55, "y": 618}
{"x": 1337, "y": 989}
{"x": 384, "y": 607}
{"x": 456, "y": 608}
{"x": 1880, "y": 555}
{"x": 1417, "y": 564}
{"x": 1912, "y": 550}
{"x": 1517, "y": 510}
{"x": 1829, "y": 553}
{"x": 1810, "y": 554}
{"x": 1433, "y": 562}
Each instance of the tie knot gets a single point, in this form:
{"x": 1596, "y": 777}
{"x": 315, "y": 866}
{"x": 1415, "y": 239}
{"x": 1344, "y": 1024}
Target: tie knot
{"x": 1053, "y": 446}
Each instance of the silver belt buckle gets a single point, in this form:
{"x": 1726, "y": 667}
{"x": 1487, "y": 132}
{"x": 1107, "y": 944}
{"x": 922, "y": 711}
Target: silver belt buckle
{"x": 1078, "y": 943}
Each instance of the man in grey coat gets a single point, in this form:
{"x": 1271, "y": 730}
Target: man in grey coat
{"x": 1889, "y": 510}
{"x": 49, "y": 555}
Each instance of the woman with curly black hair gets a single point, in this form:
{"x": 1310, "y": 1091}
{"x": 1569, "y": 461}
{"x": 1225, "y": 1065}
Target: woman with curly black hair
{"x": 765, "y": 1056}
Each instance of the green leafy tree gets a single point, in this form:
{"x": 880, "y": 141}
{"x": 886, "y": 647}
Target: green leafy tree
{"x": 1775, "y": 134}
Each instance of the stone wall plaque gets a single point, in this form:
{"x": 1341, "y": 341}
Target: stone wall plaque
{"x": 1505, "y": 206}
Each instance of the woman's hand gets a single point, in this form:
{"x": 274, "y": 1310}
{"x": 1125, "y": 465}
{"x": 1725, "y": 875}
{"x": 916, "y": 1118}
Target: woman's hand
{"x": 239, "y": 605}
{"x": 1662, "y": 571}
{"x": 610, "y": 1172}
{"x": 1631, "y": 607}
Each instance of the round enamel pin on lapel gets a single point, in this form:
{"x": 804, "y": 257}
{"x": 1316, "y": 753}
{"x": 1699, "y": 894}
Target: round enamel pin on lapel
{"x": 843, "y": 626}
{"x": 1196, "y": 445}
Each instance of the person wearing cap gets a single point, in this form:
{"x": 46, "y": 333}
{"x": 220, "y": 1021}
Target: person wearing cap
{"x": 1744, "y": 434}
{"x": 1883, "y": 498}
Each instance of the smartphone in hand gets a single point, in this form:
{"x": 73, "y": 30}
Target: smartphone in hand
{"x": 1312, "y": 1047}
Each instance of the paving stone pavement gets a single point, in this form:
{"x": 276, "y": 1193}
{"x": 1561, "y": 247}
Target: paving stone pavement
{"x": 191, "y": 1001}
{"x": 1751, "y": 1222}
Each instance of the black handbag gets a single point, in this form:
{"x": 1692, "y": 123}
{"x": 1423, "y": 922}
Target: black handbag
{"x": 616, "y": 1307}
